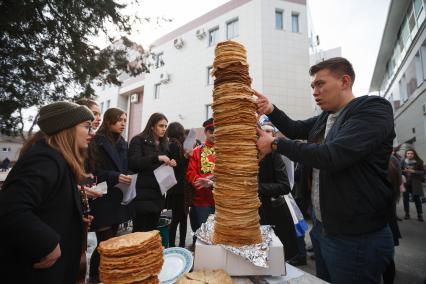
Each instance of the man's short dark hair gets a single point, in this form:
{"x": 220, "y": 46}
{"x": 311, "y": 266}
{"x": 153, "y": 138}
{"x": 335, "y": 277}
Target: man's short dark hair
{"x": 337, "y": 65}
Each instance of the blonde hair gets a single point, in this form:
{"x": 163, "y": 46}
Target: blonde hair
{"x": 65, "y": 143}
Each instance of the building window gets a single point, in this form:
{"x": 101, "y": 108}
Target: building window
{"x": 107, "y": 105}
{"x": 279, "y": 19}
{"x": 6, "y": 149}
{"x": 159, "y": 60}
{"x": 213, "y": 36}
{"x": 232, "y": 29}
{"x": 295, "y": 23}
{"x": 102, "y": 107}
{"x": 418, "y": 6}
{"x": 157, "y": 88}
{"x": 210, "y": 80}
{"x": 209, "y": 111}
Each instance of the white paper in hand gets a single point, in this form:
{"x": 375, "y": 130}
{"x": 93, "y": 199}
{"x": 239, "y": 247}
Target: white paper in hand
{"x": 165, "y": 177}
{"x": 101, "y": 188}
{"x": 189, "y": 141}
{"x": 129, "y": 191}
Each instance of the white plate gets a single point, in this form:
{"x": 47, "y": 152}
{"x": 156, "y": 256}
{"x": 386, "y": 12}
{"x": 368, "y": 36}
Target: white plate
{"x": 177, "y": 261}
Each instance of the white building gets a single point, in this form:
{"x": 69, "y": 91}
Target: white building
{"x": 400, "y": 71}
{"x": 275, "y": 35}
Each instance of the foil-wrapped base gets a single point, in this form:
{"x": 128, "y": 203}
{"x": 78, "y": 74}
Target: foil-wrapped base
{"x": 257, "y": 254}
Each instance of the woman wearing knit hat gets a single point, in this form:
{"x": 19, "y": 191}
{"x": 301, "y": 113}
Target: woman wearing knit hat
{"x": 108, "y": 161}
{"x": 40, "y": 207}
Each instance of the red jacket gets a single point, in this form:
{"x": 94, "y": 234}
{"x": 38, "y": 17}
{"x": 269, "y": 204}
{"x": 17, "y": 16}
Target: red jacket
{"x": 201, "y": 164}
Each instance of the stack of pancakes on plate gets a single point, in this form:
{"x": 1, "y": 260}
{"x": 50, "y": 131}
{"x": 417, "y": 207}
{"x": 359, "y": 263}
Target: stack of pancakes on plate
{"x": 204, "y": 276}
{"x": 132, "y": 258}
{"x": 236, "y": 165}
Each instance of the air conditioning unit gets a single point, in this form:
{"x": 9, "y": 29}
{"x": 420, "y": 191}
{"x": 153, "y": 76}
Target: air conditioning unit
{"x": 178, "y": 43}
{"x": 200, "y": 34}
{"x": 164, "y": 78}
{"x": 134, "y": 98}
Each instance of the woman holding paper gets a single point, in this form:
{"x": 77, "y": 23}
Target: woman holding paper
{"x": 147, "y": 151}
{"x": 107, "y": 159}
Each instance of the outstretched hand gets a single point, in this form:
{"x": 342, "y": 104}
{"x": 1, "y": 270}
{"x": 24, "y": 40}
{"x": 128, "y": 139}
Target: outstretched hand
{"x": 264, "y": 106}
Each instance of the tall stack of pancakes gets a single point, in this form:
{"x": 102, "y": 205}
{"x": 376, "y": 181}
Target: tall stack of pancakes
{"x": 132, "y": 258}
{"x": 236, "y": 163}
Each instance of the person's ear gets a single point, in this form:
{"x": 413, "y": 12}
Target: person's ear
{"x": 346, "y": 81}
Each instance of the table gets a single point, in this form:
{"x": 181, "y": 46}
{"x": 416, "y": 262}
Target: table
{"x": 294, "y": 276}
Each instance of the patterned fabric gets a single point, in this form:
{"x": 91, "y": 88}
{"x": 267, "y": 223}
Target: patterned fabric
{"x": 207, "y": 160}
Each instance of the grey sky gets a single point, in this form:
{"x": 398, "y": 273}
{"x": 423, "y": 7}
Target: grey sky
{"x": 357, "y": 27}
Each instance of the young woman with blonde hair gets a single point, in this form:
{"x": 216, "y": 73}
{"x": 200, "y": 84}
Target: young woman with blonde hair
{"x": 41, "y": 228}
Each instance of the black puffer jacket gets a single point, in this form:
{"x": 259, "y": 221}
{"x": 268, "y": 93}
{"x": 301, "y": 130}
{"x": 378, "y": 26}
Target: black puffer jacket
{"x": 273, "y": 185}
{"x": 353, "y": 161}
{"x": 143, "y": 160}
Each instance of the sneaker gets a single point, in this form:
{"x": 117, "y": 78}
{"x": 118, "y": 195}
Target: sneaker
{"x": 420, "y": 218}
{"x": 407, "y": 216}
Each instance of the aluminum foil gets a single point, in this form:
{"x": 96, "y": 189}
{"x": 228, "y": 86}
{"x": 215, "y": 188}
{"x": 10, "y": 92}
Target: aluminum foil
{"x": 256, "y": 254}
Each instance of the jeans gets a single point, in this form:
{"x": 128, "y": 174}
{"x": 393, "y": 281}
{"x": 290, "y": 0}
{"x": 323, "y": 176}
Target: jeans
{"x": 352, "y": 259}
{"x": 198, "y": 215}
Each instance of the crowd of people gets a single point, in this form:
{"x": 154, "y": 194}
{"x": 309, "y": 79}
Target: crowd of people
{"x": 345, "y": 179}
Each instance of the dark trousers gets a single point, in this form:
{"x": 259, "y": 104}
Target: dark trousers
{"x": 352, "y": 259}
{"x": 179, "y": 217}
{"x": 95, "y": 258}
{"x": 146, "y": 221}
{"x": 416, "y": 199}
{"x": 301, "y": 246}
{"x": 198, "y": 215}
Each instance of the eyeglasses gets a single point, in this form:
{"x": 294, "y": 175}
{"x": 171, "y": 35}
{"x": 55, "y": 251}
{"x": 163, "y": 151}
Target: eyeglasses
{"x": 89, "y": 128}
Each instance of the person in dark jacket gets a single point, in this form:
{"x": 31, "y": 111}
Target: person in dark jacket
{"x": 41, "y": 225}
{"x": 273, "y": 185}
{"x": 412, "y": 168}
{"x": 147, "y": 151}
{"x": 107, "y": 160}
{"x": 395, "y": 179}
{"x": 345, "y": 161}
{"x": 175, "y": 199}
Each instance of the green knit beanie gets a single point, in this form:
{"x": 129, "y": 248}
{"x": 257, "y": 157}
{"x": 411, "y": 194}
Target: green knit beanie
{"x": 62, "y": 115}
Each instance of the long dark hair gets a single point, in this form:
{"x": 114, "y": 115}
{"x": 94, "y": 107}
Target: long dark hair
{"x": 148, "y": 132}
{"x": 111, "y": 116}
{"x": 176, "y": 134}
{"x": 419, "y": 162}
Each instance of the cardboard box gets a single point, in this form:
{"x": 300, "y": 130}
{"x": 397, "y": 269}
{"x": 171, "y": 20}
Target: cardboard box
{"x": 215, "y": 257}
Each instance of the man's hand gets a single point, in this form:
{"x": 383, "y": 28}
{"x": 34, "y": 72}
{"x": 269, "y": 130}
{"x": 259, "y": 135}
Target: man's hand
{"x": 264, "y": 106}
{"x": 264, "y": 143}
{"x": 203, "y": 183}
{"x": 50, "y": 259}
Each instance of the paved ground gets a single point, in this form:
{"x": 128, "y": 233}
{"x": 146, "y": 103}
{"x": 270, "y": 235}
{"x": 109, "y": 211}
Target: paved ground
{"x": 410, "y": 255}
